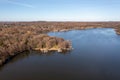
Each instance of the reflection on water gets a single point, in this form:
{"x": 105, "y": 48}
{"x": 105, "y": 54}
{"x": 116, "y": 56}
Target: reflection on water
{"x": 96, "y": 56}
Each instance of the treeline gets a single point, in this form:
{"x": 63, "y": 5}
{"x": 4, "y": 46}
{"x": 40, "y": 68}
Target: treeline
{"x": 58, "y": 26}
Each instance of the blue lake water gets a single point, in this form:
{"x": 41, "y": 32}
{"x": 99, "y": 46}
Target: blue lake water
{"x": 96, "y": 56}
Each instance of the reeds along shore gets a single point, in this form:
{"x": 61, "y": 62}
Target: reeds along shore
{"x": 16, "y": 37}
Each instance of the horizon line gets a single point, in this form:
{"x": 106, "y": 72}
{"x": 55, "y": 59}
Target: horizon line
{"x": 61, "y": 21}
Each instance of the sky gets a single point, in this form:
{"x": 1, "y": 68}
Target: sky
{"x": 59, "y": 10}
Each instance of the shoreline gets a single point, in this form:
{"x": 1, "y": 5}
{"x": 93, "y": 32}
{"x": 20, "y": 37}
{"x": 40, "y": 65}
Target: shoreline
{"x": 65, "y": 30}
{"x": 45, "y": 50}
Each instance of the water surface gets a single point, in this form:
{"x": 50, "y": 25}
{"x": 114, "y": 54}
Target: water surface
{"x": 96, "y": 56}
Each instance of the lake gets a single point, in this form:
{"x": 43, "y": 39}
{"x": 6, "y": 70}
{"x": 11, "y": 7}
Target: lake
{"x": 96, "y": 56}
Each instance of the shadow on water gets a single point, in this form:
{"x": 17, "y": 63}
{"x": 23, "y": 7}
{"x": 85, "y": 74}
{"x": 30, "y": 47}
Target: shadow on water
{"x": 15, "y": 58}
{"x": 31, "y": 53}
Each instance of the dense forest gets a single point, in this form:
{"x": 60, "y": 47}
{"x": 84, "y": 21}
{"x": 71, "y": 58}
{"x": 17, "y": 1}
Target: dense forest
{"x": 16, "y": 37}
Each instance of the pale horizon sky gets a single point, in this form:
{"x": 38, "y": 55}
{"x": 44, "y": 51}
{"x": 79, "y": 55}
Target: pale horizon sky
{"x": 59, "y": 10}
